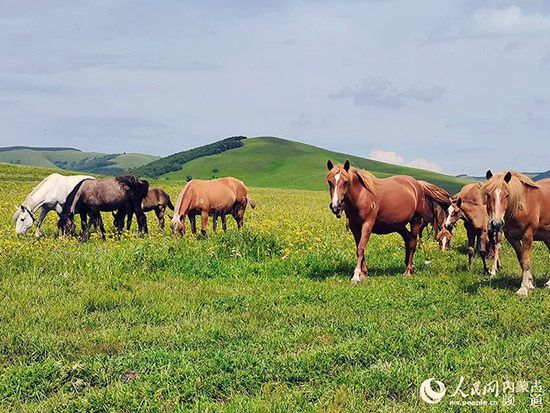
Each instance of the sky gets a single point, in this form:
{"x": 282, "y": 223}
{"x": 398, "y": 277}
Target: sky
{"x": 453, "y": 86}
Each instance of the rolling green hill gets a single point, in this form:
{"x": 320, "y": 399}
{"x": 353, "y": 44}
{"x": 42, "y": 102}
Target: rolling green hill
{"x": 280, "y": 163}
{"x": 74, "y": 159}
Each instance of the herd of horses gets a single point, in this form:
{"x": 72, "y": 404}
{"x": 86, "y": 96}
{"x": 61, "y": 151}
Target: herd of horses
{"x": 126, "y": 196}
{"x": 508, "y": 203}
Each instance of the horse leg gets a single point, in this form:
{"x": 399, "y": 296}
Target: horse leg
{"x": 99, "y": 222}
{"x": 362, "y": 236}
{"x": 159, "y": 212}
{"x": 547, "y": 242}
{"x": 128, "y": 220}
{"x": 224, "y": 223}
{"x": 141, "y": 219}
{"x": 415, "y": 230}
{"x": 527, "y": 282}
{"x": 470, "y": 232}
{"x": 406, "y": 235}
{"x": 193, "y": 223}
{"x": 482, "y": 241}
{"x": 204, "y": 222}
{"x": 85, "y": 226}
{"x": 43, "y": 213}
{"x": 215, "y": 222}
{"x": 496, "y": 259}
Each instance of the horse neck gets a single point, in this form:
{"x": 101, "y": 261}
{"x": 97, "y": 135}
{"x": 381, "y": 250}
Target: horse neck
{"x": 36, "y": 198}
{"x": 353, "y": 194}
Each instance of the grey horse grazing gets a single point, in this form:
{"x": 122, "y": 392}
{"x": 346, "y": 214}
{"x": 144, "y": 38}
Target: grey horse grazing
{"x": 48, "y": 195}
{"x": 91, "y": 197}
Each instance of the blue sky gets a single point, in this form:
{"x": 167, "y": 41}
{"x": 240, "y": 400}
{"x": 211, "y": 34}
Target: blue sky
{"x": 455, "y": 86}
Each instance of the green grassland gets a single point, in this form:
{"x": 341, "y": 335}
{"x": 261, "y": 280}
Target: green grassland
{"x": 75, "y": 160}
{"x": 264, "y": 319}
{"x": 278, "y": 163}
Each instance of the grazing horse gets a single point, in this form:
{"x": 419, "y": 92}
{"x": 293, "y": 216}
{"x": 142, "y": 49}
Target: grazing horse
{"x": 216, "y": 197}
{"x": 469, "y": 206}
{"x": 94, "y": 196}
{"x": 382, "y": 206}
{"x": 439, "y": 215}
{"x": 520, "y": 208}
{"x": 48, "y": 195}
{"x": 156, "y": 200}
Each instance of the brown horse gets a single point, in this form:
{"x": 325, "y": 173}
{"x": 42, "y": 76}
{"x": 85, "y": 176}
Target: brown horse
{"x": 520, "y": 208}
{"x": 437, "y": 221}
{"x": 91, "y": 197}
{"x": 382, "y": 206}
{"x": 216, "y": 197}
{"x": 156, "y": 200}
{"x": 469, "y": 206}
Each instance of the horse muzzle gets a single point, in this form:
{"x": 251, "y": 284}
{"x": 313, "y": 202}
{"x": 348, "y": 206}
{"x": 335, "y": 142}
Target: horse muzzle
{"x": 496, "y": 225}
{"x": 336, "y": 210}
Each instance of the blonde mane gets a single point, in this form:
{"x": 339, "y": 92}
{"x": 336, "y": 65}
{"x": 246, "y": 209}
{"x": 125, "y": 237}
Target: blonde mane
{"x": 516, "y": 189}
{"x": 368, "y": 178}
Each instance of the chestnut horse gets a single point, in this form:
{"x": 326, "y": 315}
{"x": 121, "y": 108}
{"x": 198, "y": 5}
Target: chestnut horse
{"x": 382, "y": 206}
{"x": 520, "y": 208}
{"x": 469, "y": 206}
{"x": 216, "y": 197}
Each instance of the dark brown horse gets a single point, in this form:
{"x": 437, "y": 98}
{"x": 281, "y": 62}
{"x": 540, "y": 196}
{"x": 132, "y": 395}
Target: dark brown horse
{"x": 520, "y": 208}
{"x": 91, "y": 197}
{"x": 156, "y": 200}
{"x": 382, "y": 206}
{"x": 469, "y": 206}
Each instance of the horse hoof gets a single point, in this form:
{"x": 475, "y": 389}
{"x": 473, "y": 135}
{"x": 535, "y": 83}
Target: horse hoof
{"x": 493, "y": 273}
{"x": 407, "y": 274}
{"x": 524, "y": 291}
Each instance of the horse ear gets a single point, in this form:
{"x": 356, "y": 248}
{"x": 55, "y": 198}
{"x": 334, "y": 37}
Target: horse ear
{"x": 488, "y": 174}
{"x": 459, "y": 202}
{"x": 508, "y": 177}
{"x": 330, "y": 165}
{"x": 347, "y": 165}
{"x": 358, "y": 175}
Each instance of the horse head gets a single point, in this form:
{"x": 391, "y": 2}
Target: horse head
{"x": 497, "y": 193}
{"x": 454, "y": 214}
{"x": 338, "y": 179}
{"x": 24, "y": 219}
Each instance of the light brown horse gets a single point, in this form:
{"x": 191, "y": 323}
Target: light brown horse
{"x": 382, "y": 206}
{"x": 520, "y": 208}
{"x": 469, "y": 206}
{"x": 156, "y": 200}
{"x": 216, "y": 197}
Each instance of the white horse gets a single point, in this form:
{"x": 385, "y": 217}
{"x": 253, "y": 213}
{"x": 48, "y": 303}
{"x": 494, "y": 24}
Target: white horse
{"x": 48, "y": 195}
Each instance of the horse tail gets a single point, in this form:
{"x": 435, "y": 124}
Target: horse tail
{"x": 182, "y": 205}
{"x": 250, "y": 201}
{"x": 69, "y": 206}
{"x": 169, "y": 202}
{"x": 436, "y": 194}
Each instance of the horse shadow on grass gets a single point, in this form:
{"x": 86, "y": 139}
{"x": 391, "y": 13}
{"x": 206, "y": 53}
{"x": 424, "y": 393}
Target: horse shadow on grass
{"x": 345, "y": 270}
{"x": 510, "y": 282}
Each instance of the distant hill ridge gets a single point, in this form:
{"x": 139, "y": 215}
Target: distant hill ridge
{"x": 72, "y": 159}
{"x": 543, "y": 175}
{"x": 278, "y": 163}
{"x": 38, "y": 148}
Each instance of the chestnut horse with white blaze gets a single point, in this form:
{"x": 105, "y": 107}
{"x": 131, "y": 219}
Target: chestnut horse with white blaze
{"x": 520, "y": 208}
{"x": 382, "y": 206}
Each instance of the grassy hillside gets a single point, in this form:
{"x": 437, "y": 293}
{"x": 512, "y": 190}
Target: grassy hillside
{"x": 279, "y": 163}
{"x": 74, "y": 159}
{"x": 259, "y": 320}
{"x": 543, "y": 175}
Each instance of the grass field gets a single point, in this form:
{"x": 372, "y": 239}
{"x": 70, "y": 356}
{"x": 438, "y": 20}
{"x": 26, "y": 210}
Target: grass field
{"x": 259, "y": 320}
{"x": 279, "y": 163}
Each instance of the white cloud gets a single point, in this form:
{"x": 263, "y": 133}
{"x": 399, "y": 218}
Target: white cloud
{"x": 509, "y": 20}
{"x": 395, "y": 158}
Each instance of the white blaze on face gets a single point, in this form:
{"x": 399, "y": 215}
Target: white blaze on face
{"x": 444, "y": 243}
{"x": 499, "y": 213}
{"x": 449, "y": 212}
{"x": 335, "y": 193}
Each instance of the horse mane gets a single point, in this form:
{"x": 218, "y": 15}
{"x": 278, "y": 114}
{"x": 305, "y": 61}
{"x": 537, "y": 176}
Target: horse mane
{"x": 68, "y": 206}
{"x": 139, "y": 186}
{"x": 516, "y": 188}
{"x": 369, "y": 180}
